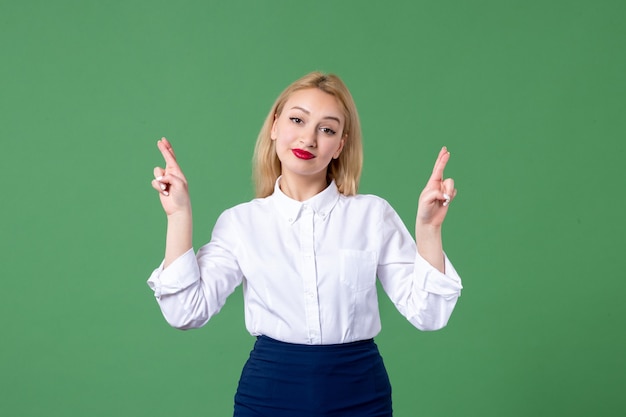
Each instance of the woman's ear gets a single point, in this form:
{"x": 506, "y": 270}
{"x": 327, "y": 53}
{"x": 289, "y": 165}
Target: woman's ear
{"x": 341, "y": 143}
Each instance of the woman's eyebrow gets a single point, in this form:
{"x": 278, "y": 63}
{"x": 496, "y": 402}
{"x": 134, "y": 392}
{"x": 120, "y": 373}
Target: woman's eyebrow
{"x": 308, "y": 113}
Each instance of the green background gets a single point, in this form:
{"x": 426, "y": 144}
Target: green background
{"x": 529, "y": 96}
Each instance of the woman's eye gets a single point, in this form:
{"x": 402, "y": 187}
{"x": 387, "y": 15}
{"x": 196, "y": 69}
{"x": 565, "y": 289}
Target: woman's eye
{"x": 328, "y": 131}
{"x": 296, "y": 120}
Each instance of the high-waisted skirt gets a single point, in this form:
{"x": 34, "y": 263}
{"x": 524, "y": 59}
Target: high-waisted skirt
{"x": 291, "y": 380}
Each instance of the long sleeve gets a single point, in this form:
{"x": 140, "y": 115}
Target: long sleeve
{"x": 195, "y": 287}
{"x": 424, "y": 295}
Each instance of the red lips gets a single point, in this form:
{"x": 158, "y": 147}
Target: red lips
{"x": 302, "y": 154}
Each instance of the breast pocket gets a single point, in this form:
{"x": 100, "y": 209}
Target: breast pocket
{"x": 358, "y": 269}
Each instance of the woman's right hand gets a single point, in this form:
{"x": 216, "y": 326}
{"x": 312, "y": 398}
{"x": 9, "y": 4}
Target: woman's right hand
{"x": 171, "y": 183}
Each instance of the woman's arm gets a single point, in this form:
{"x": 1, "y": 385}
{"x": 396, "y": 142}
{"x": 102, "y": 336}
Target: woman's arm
{"x": 174, "y": 195}
{"x": 432, "y": 208}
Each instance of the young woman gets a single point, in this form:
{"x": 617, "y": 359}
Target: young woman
{"x": 308, "y": 251}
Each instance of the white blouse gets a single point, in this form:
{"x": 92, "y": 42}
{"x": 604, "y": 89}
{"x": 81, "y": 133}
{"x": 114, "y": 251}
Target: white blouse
{"x": 308, "y": 270}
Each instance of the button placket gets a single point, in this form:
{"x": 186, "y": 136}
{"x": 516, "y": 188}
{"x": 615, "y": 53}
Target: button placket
{"x": 309, "y": 274}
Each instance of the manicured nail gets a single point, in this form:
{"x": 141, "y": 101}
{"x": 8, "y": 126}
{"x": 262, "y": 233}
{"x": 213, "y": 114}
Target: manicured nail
{"x": 447, "y": 201}
{"x": 165, "y": 193}
{"x": 159, "y": 178}
{"x": 163, "y": 186}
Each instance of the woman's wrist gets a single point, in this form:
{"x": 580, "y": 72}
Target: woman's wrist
{"x": 430, "y": 245}
{"x": 180, "y": 215}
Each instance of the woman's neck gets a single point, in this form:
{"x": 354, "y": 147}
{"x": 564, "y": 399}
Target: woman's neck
{"x": 301, "y": 188}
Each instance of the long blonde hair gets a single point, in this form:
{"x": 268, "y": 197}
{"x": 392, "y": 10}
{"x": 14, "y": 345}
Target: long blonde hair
{"x": 345, "y": 170}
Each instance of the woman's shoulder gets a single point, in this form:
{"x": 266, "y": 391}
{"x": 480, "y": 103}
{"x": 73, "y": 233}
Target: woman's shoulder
{"x": 242, "y": 215}
{"x": 366, "y": 203}
{"x": 366, "y": 199}
{"x": 248, "y": 206}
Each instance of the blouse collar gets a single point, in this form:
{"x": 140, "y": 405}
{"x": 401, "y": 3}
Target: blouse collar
{"x": 321, "y": 203}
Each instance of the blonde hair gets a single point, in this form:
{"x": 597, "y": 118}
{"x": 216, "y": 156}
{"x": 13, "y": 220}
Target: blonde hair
{"x": 345, "y": 170}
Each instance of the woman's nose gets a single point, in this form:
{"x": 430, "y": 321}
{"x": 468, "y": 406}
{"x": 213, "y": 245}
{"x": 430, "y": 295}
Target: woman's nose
{"x": 308, "y": 140}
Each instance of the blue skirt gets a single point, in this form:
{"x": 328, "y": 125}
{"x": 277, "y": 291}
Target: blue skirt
{"x": 291, "y": 380}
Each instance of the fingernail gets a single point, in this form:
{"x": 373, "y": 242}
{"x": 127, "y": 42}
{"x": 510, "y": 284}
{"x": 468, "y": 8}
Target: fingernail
{"x": 163, "y": 186}
{"x": 159, "y": 178}
{"x": 447, "y": 197}
{"x": 165, "y": 193}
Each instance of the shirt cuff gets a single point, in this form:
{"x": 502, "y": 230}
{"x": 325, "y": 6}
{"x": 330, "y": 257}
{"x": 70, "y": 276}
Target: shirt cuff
{"x": 180, "y": 274}
{"x": 431, "y": 280}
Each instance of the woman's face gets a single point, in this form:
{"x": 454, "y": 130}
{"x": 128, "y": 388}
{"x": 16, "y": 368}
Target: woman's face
{"x": 309, "y": 133}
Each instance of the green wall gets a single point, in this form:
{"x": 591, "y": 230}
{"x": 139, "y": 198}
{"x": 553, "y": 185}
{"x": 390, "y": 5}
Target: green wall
{"x": 529, "y": 96}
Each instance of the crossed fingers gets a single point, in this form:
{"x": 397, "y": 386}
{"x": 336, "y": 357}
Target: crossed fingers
{"x": 437, "y": 181}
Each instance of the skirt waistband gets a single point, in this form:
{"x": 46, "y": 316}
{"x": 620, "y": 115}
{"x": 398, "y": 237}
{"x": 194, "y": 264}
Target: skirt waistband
{"x": 265, "y": 341}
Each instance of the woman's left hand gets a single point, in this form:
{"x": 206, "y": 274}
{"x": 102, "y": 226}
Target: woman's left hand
{"x": 437, "y": 195}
